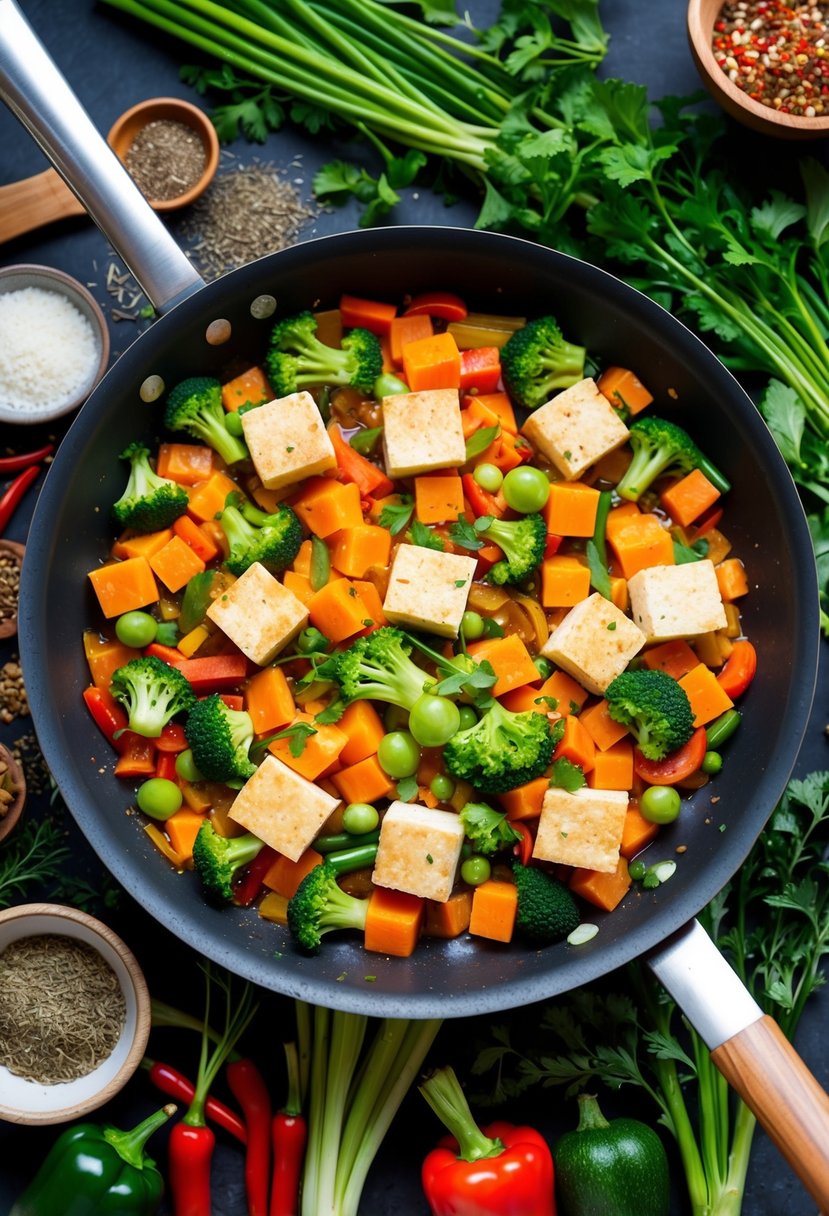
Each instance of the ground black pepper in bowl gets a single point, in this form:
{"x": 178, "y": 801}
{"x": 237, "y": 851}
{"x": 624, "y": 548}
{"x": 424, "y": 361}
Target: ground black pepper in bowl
{"x": 165, "y": 159}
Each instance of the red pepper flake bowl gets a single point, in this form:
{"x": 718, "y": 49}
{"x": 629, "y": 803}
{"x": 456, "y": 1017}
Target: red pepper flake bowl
{"x": 797, "y": 49}
{"x": 24, "y": 929}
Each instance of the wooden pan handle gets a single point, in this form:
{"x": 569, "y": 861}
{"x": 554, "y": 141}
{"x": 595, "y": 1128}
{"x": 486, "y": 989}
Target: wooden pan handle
{"x": 35, "y": 201}
{"x": 766, "y": 1071}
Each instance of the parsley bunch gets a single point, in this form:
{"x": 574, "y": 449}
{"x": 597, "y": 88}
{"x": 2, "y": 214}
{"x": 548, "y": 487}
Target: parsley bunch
{"x": 773, "y": 923}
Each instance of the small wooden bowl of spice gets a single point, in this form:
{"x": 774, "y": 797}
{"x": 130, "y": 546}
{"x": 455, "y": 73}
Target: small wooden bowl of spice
{"x": 170, "y": 149}
{"x": 766, "y": 62}
{"x": 12, "y": 791}
{"x": 74, "y": 1014}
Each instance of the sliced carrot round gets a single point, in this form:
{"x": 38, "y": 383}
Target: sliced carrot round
{"x": 444, "y": 304}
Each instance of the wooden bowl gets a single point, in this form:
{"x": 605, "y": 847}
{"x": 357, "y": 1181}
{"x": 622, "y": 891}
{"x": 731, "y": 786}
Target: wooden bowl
{"x": 15, "y": 771}
{"x": 127, "y": 127}
{"x": 30, "y": 1102}
{"x": 701, "y": 17}
{"x": 12, "y": 551}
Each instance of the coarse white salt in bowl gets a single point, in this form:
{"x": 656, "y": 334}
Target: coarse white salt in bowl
{"x": 54, "y": 344}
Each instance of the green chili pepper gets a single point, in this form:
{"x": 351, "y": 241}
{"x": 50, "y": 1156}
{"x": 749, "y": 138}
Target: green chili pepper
{"x": 97, "y": 1171}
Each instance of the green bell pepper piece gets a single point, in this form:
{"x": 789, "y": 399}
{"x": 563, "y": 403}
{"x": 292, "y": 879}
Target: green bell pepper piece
{"x": 97, "y": 1171}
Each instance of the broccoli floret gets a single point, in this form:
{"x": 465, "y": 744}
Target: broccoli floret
{"x": 547, "y": 911}
{"x": 217, "y": 858}
{"x": 536, "y": 360}
{"x": 254, "y": 536}
{"x": 149, "y": 503}
{"x": 152, "y": 692}
{"x": 655, "y": 708}
{"x": 220, "y": 740}
{"x": 378, "y": 667}
{"x": 487, "y": 830}
{"x": 661, "y": 447}
{"x": 523, "y": 542}
{"x": 320, "y": 905}
{"x": 501, "y": 750}
{"x": 296, "y": 358}
{"x": 195, "y": 406}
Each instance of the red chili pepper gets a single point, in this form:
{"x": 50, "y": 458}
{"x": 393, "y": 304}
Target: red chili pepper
{"x": 371, "y": 481}
{"x": 248, "y": 886}
{"x": 289, "y": 1134}
{"x": 250, "y": 1091}
{"x": 495, "y": 1171}
{"x": 11, "y": 498}
{"x": 107, "y": 715}
{"x": 170, "y": 1081}
{"x": 13, "y": 464}
{"x": 739, "y": 669}
{"x": 523, "y": 848}
{"x": 189, "y": 1155}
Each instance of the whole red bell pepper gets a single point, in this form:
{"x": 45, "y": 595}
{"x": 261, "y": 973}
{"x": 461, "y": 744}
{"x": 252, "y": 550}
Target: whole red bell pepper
{"x": 499, "y": 1170}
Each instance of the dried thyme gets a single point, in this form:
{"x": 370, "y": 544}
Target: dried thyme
{"x": 61, "y": 1008}
{"x": 165, "y": 159}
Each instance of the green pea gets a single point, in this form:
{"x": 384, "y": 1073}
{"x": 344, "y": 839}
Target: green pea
{"x": 526, "y": 489}
{"x": 398, "y": 754}
{"x": 468, "y": 717}
{"x": 136, "y": 629}
{"x": 637, "y": 870}
{"x": 472, "y": 625}
{"x": 711, "y": 763}
{"x": 489, "y": 477}
{"x": 360, "y": 817}
{"x": 159, "y": 798}
{"x": 660, "y": 803}
{"x": 186, "y": 768}
{"x": 650, "y": 882}
{"x": 543, "y": 666}
{"x": 475, "y": 870}
{"x": 442, "y": 787}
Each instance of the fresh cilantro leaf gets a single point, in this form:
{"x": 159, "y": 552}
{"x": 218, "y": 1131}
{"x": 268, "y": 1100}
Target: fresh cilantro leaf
{"x": 463, "y": 534}
{"x": 550, "y": 702}
{"x": 401, "y": 171}
{"x": 492, "y": 629}
{"x": 480, "y": 440}
{"x": 331, "y": 713}
{"x": 396, "y": 516}
{"x": 298, "y": 734}
{"x": 566, "y": 775}
{"x": 785, "y": 415}
{"x": 685, "y": 554}
{"x": 435, "y": 12}
{"x": 776, "y": 215}
{"x": 424, "y": 537}
{"x": 407, "y": 789}
{"x": 816, "y": 184}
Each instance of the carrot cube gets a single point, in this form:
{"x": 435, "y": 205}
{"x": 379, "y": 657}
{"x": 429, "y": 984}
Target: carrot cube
{"x": 372, "y": 603}
{"x": 186, "y": 463}
{"x": 319, "y": 753}
{"x": 707, "y": 696}
{"x": 689, "y": 497}
{"x": 199, "y": 540}
{"x": 327, "y": 506}
{"x": 337, "y": 610}
{"x": 284, "y": 875}
{"x": 407, "y": 329}
{"x": 373, "y": 315}
{"x": 103, "y": 658}
{"x": 269, "y": 701}
{"x": 565, "y": 691}
{"x": 358, "y": 548}
{"x": 731, "y": 579}
{"x": 494, "y": 909}
{"x": 613, "y": 768}
{"x": 571, "y": 508}
{"x": 302, "y": 561}
{"x": 182, "y": 830}
{"x": 525, "y": 699}
{"x": 363, "y": 782}
{"x": 176, "y": 564}
{"x": 619, "y": 518}
{"x": 676, "y": 658}
{"x": 123, "y": 586}
{"x": 603, "y": 890}
{"x": 393, "y": 922}
{"x": 450, "y": 919}
{"x": 524, "y": 802}
{"x": 623, "y": 389}
{"x": 564, "y": 581}
{"x": 208, "y": 499}
{"x": 432, "y": 363}
{"x": 603, "y": 730}
{"x": 300, "y": 585}
{"x": 438, "y": 498}
{"x": 143, "y": 544}
{"x": 637, "y": 832}
{"x": 363, "y": 728}
{"x": 576, "y": 745}
{"x": 500, "y": 405}
{"x": 510, "y": 659}
{"x": 641, "y": 543}
{"x": 249, "y": 388}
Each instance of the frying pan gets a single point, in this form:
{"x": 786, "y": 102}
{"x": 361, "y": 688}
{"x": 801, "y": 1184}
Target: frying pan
{"x": 71, "y": 532}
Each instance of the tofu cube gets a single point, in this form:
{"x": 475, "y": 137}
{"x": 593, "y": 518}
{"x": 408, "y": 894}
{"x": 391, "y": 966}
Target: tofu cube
{"x": 282, "y": 808}
{"x": 594, "y": 643}
{"x": 428, "y": 590}
{"x": 422, "y": 431}
{"x": 419, "y": 851}
{"x": 575, "y": 429}
{"x": 676, "y": 601}
{"x": 583, "y": 828}
{"x": 258, "y": 614}
{"x": 288, "y": 440}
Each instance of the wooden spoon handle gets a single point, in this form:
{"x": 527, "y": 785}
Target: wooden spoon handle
{"x": 35, "y": 201}
{"x": 766, "y": 1071}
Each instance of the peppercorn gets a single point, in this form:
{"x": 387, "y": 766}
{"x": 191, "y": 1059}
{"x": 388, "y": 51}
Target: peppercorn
{"x": 776, "y": 53}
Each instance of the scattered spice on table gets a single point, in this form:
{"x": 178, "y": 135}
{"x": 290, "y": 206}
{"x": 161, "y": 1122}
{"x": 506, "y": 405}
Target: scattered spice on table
{"x": 13, "y": 700}
{"x": 27, "y": 753}
{"x": 48, "y": 351}
{"x": 246, "y": 212}
{"x": 61, "y": 1008}
{"x": 165, "y": 159}
{"x": 776, "y": 53}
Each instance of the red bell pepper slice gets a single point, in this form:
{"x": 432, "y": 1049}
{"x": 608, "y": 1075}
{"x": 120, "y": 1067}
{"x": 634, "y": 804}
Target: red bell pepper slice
{"x": 249, "y": 884}
{"x": 479, "y": 500}
{"x": 371, "y": 481}
{"x": 552, "y": 544}
{"x": 172, "y": 739}
{"x": 167, "y": 654}
{"x": 480, "y": 369}
{"x": 444, "y": 304}
{"x": 372, "y": 315}
{"x": 137, "y": 758}
{"x": 107, "y": 715}
{"x": 215, "y": 673}
{"x": 738, "y": 670}
{"x": 676, "y": 766}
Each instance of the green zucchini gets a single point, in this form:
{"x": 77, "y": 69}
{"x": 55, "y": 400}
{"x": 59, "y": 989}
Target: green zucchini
{"x": 618, "y": 1167}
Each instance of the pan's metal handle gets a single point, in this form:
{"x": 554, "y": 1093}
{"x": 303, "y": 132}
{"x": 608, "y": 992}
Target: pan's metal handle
{"x": 751, "y": 1052}
{"x": 34, "y": 89}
